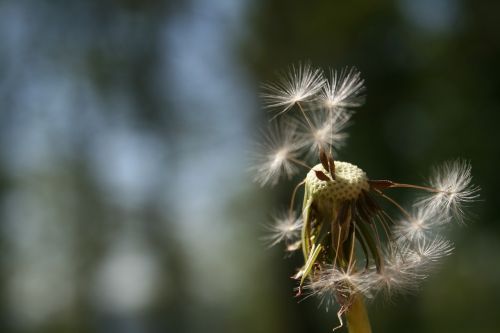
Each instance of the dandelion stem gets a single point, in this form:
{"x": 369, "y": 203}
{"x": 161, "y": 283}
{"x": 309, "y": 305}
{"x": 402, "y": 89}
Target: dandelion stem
{"x": 357, "y": 317}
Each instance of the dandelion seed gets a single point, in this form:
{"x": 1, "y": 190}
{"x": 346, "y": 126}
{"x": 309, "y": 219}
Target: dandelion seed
{"x": 333, "y": 281}
{"x": 338, "y": 286}
{"x": 324, "y": 130}
{"x": 299, "y": 84}
{"x": 278, "y": 154}
{"x": 428, "y": 252}
{"x": 286, "y": 228}
{"x": 394, "y": 280}
{"x": 398, "y": 275}
{"x": 453, "y": 181}
{"x": 422, "y": 223}
{"x": 343, "y": 90}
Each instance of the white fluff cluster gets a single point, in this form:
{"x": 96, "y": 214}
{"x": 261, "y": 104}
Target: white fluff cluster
{"x": 299, "y": 84}
{"x": 277, "y": 155}
{"x": 349, "y": 183}
{"x": 324, "y": 130}
{"x": 285, "y": 228}
{"x": 421, "y": 223}
{"x": 326, "y": 105}
{"x": 343, "y": 90}
{"x": 453, "y": 182}
{"x": 406, "y": 264}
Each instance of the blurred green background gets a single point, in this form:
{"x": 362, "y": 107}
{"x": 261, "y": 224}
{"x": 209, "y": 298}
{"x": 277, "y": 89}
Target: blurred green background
{"x": 125, "y": 132}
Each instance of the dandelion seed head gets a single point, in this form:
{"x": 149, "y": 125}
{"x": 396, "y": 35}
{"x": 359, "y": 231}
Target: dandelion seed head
{"x": 300, "y": 83}
{"x": 350, "y": 181}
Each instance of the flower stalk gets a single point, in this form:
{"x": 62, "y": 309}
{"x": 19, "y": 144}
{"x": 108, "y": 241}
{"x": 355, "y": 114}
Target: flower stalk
{"x": 357, "y": 317}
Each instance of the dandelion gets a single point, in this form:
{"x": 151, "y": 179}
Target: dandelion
{"x": 353, "y": 246}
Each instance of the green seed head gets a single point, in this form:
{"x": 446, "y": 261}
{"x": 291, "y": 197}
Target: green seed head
{"x": 349, "y": 183}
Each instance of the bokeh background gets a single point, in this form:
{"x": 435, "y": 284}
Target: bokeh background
{"x": 126, "y": 204}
